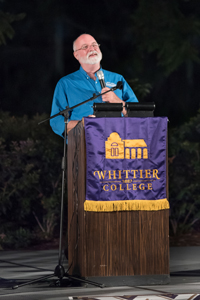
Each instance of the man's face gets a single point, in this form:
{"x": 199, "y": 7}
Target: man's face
{"x": 91, "y": 55}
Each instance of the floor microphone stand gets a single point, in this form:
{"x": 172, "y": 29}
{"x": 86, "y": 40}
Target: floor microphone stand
{"x": 59, "y": 269}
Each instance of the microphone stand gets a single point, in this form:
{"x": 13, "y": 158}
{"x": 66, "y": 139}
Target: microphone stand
{"x": 59, "y": 269}
{"x": 118, "y": 86}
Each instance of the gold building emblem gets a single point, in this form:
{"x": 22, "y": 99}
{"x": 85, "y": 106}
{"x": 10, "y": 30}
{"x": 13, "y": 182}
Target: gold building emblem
{"x": 116, "y": 148}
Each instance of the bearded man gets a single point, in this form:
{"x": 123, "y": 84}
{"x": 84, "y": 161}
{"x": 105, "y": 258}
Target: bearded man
{"x": 82, "y": 84}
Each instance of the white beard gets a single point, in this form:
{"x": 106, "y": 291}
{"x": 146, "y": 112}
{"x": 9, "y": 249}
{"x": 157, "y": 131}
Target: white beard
{"x": 91, "y": 60}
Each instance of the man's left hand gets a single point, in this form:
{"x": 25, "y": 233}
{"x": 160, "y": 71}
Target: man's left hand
{"x": 111, "y": 97}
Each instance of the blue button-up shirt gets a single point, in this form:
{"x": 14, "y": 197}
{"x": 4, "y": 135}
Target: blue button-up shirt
{"x": 78, "y": 87}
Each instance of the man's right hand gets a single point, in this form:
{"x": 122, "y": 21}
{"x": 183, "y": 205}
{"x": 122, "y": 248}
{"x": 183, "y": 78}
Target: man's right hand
{"x": 71, "y": 125}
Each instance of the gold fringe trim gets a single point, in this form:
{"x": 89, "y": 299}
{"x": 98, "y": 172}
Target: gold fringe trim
{"x": 126, "y": 205}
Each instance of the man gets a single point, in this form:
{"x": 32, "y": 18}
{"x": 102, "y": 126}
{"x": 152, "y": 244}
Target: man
{"x": 82, "y": 84}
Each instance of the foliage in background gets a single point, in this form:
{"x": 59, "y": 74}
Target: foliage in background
{"x": 165, "y": 52}
{"x": 30, "y": 182}
{"x": 6, "y": 29}
{"x": 184, "y": 176}
{"x": 140, "y": 89}
{"x": 172, "y": 34}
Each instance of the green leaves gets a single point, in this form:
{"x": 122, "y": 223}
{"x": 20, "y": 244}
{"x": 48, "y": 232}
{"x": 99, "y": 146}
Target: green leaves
{"x": 20, "y": 238}
{"x": 30, "y": 166}
{"x": 184, "y": 175}
{"x": 6, "y": 29}
{"x": 161, "y": 28}
{"x": 140, "y": 89}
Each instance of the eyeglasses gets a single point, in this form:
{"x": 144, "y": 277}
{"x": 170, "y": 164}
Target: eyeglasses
{"x": 85, "y": 47}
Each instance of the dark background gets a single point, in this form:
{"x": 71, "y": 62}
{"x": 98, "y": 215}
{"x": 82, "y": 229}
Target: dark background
{"x": 149, "y": 42}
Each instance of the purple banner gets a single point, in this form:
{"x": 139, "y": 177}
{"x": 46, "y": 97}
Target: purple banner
{"x": 126, "y": 158}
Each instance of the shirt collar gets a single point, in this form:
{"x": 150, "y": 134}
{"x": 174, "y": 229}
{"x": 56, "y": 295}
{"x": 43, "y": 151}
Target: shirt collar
{"x": 85, "y": 73}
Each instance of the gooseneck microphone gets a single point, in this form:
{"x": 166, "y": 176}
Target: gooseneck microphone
{"x": 100, "y": 76}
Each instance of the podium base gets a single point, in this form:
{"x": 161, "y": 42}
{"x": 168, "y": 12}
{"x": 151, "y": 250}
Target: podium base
{"x": 114, "y": 281}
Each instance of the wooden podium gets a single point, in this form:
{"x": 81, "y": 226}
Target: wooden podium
{"x": 114, "y": 248}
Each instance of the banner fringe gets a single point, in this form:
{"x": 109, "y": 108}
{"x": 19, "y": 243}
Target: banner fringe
{"x": 126, "y": 205}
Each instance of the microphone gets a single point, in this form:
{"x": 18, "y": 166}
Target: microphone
{"x": 100, "y": 76}
{"x": 119, "y": 85}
